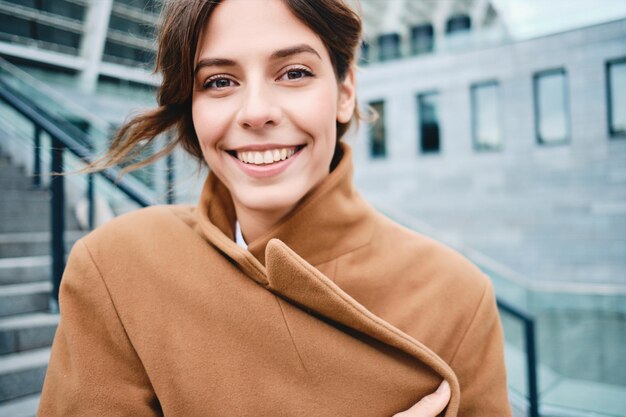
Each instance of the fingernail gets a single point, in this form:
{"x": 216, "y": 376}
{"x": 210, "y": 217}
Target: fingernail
{"x": 443, "y": 387}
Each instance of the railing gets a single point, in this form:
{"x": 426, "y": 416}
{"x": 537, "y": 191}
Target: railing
{"x": 531, "y": 353}
{"x": 75, "y": 142}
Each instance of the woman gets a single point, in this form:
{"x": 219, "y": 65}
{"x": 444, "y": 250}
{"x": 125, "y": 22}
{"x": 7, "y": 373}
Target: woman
{"x": 282, "y": 292}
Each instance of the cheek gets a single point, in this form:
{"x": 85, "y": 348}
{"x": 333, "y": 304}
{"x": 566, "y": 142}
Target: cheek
{"x": 316, "y": 111}
{"x": 209, "y": 123}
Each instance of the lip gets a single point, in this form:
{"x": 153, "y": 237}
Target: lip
{"x": 264, "y": 171}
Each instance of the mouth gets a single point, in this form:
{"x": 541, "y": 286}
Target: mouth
{"x": 266, "y": 156}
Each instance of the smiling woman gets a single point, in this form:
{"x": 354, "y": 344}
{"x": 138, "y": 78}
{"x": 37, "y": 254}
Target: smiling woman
{"x": 282, "y": 292}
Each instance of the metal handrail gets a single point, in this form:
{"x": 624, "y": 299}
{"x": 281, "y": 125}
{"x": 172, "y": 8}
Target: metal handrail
{"x": 74, "y": 141}
{"x": 531, "y": 353}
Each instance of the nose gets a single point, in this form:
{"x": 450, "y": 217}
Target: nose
{"x": 258, "y": 109}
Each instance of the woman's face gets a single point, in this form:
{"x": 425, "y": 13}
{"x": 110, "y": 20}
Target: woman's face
{"x": 265, "y": 104}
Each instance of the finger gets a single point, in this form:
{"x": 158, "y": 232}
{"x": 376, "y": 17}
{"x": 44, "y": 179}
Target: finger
{"x": 430, "y": 405}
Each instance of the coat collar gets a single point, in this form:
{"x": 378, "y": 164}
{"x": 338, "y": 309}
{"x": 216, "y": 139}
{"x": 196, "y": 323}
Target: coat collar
{"x": 330, "y": 221}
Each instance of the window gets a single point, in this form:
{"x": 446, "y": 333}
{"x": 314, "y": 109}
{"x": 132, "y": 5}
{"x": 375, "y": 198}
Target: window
{"x": 422, "y": 39}
{"x": 616, "y": 95}
{"x": 388, "y": 46}
{"x": 364, "y": 56}
{"x": 428, "y": 105}
{"x": 485, "y": 116}
{"x": 551, "y": 118}
{"x": 377, "y": 131}
{"x": 458, "y": 23}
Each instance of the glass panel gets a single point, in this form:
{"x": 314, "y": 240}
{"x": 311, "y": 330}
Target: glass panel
{"x": 422, "y": 39}
{"x": 94, "y": 132}
{"x": 428, "y": 105}
{"x": 377, "y": 131}
{"x": 485, "y": 104}
{"x": 388, "y": 46}
{"x": 617, "y": 96}
{"x": 550, "y": 107}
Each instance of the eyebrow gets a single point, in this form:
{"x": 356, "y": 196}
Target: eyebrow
{"x": 279, "y": 54}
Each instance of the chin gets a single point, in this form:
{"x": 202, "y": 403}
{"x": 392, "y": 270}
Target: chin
{"x": 271, "y": 201}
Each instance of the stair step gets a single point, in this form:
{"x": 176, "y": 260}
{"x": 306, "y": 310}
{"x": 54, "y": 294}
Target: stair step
{"x": 22, "y": 373}
{"x": 24, "y": 269}
{"x": 24, "y": 298}
{"x": 33, "y": 243}
{"x": 34, "y": 222}
{"x": 27, "y": 331}
{"x": 21, "y": 407}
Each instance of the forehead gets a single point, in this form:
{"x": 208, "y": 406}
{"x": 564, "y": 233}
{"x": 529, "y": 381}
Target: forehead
{"x": 249, "y": 27}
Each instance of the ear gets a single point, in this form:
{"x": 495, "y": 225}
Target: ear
{"x": 346, "y": 97}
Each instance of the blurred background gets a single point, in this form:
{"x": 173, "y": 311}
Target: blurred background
{"x": 501, "y": 131}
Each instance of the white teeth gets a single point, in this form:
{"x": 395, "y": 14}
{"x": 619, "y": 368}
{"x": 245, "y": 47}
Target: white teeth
{"x": 265, "y": 157}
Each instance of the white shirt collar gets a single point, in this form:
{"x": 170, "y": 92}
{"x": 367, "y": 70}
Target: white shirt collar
{"x": 239, "y": 236}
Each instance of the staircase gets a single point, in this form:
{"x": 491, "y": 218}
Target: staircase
{"x": 26, "y": 326}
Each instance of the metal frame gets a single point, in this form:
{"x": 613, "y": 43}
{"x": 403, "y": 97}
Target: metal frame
{"x": 609, "y": 96}
{"x": 566, "y": 107}
{"x": 531, "y": 353}
{"x": 474, "y": 110}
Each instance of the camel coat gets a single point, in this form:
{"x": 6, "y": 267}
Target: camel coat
{"x": 336, "y": 311}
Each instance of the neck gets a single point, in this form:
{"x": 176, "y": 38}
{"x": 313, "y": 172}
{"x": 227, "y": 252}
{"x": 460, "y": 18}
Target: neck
{"x": 255, "y": 224}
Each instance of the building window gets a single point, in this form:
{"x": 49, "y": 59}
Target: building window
{"x": 364, "y": 56}
{"x": 616, "y": 95}
{"x": 458, "y": 23}
{"x": 551, "y": 118}
{"x": 422, "y": 39}
{"x": 388, "y": 46}
{"x": 485, "y": 116}
{"x": 428, "y": 105}
{"x": 377, "y": 131}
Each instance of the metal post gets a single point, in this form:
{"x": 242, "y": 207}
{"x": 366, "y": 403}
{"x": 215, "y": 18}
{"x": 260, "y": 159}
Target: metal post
{"x": 91, "y": 208}
{"x": 37, "y": 158}
{"x": 170, "y": 179}
{"x": 532, "y": 369}
{"x": 57, "y": 217}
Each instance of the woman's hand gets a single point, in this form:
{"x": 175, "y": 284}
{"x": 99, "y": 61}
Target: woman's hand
{"x": 431, "y": 405}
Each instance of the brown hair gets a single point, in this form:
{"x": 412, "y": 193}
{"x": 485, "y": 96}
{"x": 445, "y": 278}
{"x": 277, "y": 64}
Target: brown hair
{"x": 182, "y": 22}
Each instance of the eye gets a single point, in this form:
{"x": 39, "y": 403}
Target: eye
{"x": 296, "y": 74}
{"x": 218, "y": 82}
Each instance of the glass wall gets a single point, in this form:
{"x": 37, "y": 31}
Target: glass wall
{"x": 485, "y": 116}
{"x": 52, "y": 24}
{"x": 616, "y": 94}
{"x": 551, "y": 109}
{"x": 428, "y": 107}
{"x": 377, "y": 131}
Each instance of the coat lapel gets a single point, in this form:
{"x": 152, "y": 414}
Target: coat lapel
{"x": 291, "y": 277}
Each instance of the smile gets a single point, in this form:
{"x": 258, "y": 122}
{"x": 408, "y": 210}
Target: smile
{"x": 267, "y": 156}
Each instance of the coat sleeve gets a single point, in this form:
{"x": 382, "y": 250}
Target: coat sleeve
{"x": 93, "y": 369}
{"x": 479, "y": 363}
